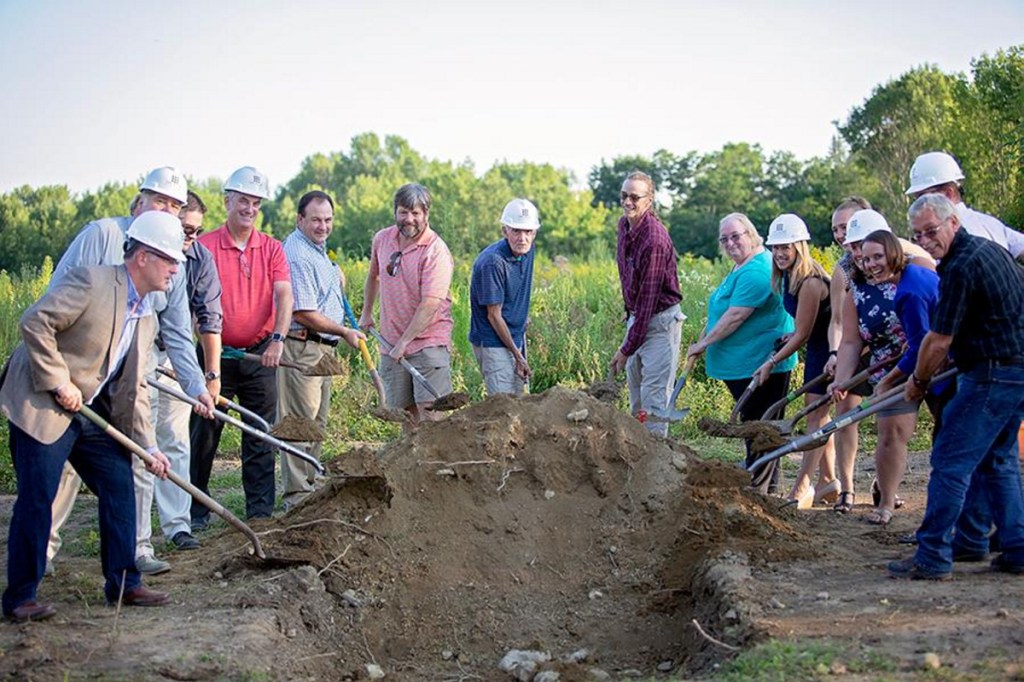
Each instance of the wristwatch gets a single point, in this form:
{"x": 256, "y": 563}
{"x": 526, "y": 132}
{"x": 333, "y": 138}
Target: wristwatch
{"x": 211, "y": 376}
{"x": 277, "y": 336}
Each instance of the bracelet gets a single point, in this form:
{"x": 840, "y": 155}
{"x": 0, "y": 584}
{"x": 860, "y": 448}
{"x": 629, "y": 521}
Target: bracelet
{"x": 771, "y": 359}
{"x": 833, "y": 353}
{"x": 918, "y": 382}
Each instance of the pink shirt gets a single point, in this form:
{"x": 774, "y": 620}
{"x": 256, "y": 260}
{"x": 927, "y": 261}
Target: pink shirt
{"x": 424, "y": 269}
{"x": 247, "y": 279}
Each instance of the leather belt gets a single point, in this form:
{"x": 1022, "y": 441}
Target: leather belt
{"x": 310, "y": 335}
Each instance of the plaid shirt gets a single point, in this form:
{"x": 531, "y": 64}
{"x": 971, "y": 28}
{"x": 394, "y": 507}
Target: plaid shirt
{"x": 981, "y": 301}
{"x": 316, "y": 280}
{"x": 647, "y": 272}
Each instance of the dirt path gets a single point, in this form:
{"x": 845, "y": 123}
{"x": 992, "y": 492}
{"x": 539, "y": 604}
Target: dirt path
{"x": 553, "y": 524}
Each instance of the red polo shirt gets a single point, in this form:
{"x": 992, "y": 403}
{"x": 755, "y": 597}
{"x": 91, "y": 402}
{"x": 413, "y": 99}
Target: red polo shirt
{"x": 247, "y": 279}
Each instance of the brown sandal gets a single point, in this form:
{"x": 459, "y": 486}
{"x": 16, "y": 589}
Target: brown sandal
{"x": 845, "y": 503}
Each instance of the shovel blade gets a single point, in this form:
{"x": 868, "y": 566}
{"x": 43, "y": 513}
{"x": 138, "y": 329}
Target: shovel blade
{"x": 663, "y": 416}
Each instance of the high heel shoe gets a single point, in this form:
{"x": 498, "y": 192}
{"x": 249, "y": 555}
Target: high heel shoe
{"x": 845, "y": 503}
{"x": 828, "y": 493}
{"x": 805, "y": 501}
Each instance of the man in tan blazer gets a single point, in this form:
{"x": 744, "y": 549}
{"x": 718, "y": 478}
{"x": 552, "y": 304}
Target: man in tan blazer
{"x": 85, "y": 343}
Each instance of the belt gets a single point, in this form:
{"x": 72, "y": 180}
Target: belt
{"x": 1012, "y": 361}
{"x": 254, "y": 347}
{"x": 310, "y": 335}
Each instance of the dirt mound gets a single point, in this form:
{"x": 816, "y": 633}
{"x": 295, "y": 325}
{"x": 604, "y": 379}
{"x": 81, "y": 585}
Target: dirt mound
{"x": 763, "y": 437}
{"x": 551, "y": 521}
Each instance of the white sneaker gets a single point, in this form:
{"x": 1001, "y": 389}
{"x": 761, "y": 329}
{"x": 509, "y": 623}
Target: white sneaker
{"x": 150, "y": 565}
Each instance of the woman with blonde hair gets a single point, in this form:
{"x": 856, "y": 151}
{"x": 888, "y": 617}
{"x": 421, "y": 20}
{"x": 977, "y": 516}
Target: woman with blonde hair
{"x": 804, "y": 287}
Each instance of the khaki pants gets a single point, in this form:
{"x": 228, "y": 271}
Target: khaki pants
{"x": 499, "y": 369}
{"x": 302, "y": 396}
{"x": 651, "y": 370}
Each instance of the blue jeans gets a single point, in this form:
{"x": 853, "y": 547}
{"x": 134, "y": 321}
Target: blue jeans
{"x": 976, "y": 450}
{"x": 107, "y": 469}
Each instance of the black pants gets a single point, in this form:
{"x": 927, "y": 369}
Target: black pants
{"x": 760, "y": 400}
{"x": 254, "y": 387}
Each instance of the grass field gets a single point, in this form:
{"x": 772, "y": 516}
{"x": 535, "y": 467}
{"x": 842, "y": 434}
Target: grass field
{"x": 576, "y": 325}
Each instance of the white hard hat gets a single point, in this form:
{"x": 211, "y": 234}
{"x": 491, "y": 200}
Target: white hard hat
{"x": 160, "y": 231}
{"x": 862, "y": 223}
{"x": 787, "y": 229}
{"x": 520, "y": 214}
{"x": 931, "y": 169}
{"x": 248, "y": 180}
{"x": 167, "y": 181}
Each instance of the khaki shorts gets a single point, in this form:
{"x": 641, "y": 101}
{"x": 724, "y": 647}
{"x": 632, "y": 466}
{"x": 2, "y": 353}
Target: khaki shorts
{"x": 434, "y": 363}
{"x": 499, "y": 369}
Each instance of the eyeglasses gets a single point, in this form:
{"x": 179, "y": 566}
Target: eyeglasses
{"x": 731, "y": 238}
{"x": 394, "y": 263}
{"x": 162, "y": 256}
{"x": 928, "y": 234}
{"x": 244, "y": 262}
{"x": 635, "y": 198}
{"x": 191, "y": 232}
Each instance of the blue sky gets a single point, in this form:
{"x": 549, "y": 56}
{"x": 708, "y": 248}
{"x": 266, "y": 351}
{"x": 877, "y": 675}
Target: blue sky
{"x": 101, "y": 91}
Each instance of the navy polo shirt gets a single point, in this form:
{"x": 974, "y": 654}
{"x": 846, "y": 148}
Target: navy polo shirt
{"x": 500, "y": 277}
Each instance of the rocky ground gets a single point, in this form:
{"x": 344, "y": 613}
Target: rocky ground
{"x": 552, "y": 526}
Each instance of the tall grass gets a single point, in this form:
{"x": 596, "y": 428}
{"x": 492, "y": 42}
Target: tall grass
{"x": 576, "y": 324}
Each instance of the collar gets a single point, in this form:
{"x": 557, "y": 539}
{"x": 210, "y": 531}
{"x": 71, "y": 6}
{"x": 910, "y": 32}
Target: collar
{"x": 141, "y": 305}
{"x": 299, "y": 234}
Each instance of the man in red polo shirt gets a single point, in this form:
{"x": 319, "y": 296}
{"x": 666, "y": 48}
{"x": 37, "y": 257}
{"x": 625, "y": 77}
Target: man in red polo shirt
{"x": 257, "y": 303}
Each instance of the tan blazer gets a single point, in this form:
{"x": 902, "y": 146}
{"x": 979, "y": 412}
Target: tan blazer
{"x": 71, "y": 334}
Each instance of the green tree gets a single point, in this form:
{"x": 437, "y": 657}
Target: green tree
{"x": 919, "y": 111}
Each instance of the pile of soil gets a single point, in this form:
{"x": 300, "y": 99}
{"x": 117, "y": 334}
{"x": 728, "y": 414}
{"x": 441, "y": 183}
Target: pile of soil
{"x": 328, "y": 365}
{"x": 763, "y": 436}
{"x": 551, "y": 522}
{"x": 298, "y": 429}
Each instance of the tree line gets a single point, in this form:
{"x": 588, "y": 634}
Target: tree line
{"x": 977, "y": 117}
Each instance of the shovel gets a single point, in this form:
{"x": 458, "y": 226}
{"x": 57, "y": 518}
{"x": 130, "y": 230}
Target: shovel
{"x": 365, "y": 352}
{"x": 779, "y": 407}
{"x": 744, "y": 397}
{"x": 256, "y": 433}
{"x": 259, "y": 421}
{"x": 327, "y": 366}
{"x": 785, "y": 426}
{"x": 204, "y": 499}
{"x": 452, "y": 401}
{"x": 867, "y": 408}
{"x": 670, "y": 413}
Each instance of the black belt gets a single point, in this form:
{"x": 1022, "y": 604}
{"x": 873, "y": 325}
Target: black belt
{"x": 1012, "y": 361}
{"x": 310, "y": 335}
{"x": 256, "y": 346}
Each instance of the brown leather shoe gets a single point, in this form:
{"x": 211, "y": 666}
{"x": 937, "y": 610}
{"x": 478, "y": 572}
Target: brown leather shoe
{"x": 143, "y": 596}
{"x": 31, "y": 610}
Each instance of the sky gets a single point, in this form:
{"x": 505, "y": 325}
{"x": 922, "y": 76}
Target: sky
{"x": 95, "y": 92}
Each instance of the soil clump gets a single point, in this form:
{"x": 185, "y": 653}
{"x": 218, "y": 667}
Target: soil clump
{"x": 763, "y": 436}
{"x": 298, "y": 429}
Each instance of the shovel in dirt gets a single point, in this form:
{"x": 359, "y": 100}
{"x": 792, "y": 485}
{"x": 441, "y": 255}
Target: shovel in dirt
{"x": 291, "y": 428}
{"x": 256, "y": 433}
{"x": 327, "y": 366}
{"x": 867, "y": 408}
{"x": 446, "y": 403}
{"x": 670, "y": 413}
{"x": 779, "y": 407}
{"x": 195, "y": 492}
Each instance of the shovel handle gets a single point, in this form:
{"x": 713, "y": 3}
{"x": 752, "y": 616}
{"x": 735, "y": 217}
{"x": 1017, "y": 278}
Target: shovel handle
{"x": 854, "y": 381}
{"x": 204, "y": 499}
{"x": 793, "y": 395}
{"x": 253, "y": 357}
{"x": 687, "y": 368}
{"x": 865, "y": 409}
{"x": 256, "y": 433}
{"x": 260, "y": 422}
{"x": 364, "y": 351}
{"x": 744, "y": 397}
{"x": 415, "y": 373}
